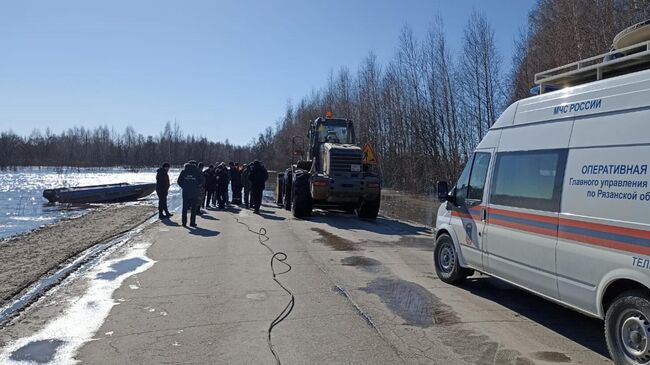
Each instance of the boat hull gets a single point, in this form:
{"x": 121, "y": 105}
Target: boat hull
{"x": 111, "y": 193}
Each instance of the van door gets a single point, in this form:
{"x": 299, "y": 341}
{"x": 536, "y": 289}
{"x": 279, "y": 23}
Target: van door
{"x": 523, "y": 217}
{"x": 469, "y": 213}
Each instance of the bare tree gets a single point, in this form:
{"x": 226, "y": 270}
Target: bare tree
{"x": 480, "y": 75}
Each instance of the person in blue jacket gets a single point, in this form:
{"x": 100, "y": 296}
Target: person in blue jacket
{"x": 190, "y": 180}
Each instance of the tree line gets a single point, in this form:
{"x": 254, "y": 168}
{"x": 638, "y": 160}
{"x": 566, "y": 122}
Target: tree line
{"x": 102, "y": 146}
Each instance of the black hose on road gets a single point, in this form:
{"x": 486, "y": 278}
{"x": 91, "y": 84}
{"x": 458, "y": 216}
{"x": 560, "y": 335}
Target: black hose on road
{"x": 277, "y": 257}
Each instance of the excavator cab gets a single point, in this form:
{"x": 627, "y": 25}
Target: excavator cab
{"x": 333, "y": 131}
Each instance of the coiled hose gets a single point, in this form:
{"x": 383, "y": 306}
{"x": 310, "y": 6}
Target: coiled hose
{"x": 276, "y": 257}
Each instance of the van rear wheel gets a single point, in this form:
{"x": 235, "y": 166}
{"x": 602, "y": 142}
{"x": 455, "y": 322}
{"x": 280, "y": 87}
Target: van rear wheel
{"x": 445, "y": 260}
{"x": 627, "y": 328}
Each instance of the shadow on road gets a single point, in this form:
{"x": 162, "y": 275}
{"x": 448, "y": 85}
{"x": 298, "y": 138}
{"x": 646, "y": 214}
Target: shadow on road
{"x": 270, "y": 215}
{"x": 169, "y": 222}
{"x": 584, "y": 330}
{"x": 381, "y": 225}
{"x": 208, "y": 217}
{"x": 204, "y": 232}
{"x": 232, "y": 209}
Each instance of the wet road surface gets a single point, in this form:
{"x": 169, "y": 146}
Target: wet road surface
{"x": 365, "y": 292}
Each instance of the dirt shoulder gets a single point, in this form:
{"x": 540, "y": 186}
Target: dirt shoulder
{"x": 25, "y": 258}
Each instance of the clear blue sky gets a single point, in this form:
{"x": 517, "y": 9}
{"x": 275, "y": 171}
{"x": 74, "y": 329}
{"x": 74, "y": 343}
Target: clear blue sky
{"x": 223, "y": 69}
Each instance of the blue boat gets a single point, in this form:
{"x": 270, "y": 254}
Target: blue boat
{"x": 109, "y": 193}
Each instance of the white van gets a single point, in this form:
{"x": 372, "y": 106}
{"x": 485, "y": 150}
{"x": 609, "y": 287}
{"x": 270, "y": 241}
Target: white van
{"x": 556, "y": 198}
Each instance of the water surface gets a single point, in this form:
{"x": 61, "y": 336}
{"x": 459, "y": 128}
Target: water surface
{"x": 23, "y": 208}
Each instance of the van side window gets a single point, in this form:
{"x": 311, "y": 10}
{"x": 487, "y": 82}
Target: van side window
{"x": 477, "y": 178}
{"x": 530, "y": 179}
{"x": 471, "y": 182}
{"x": 461, "y": 185}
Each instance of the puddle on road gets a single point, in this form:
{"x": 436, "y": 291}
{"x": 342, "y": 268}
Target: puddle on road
{"x": 121, "y": 267}
{"x": 40, "y": 352}
{"x": 334, "y": 241}
{"x": 364, "y": 263}
{"x": 524, "y": 361}
{"x": 422, "y": 242}
{"x": 419, "y": 307}
{"x": 412, "y": 302}
{"x": 550, "y": 356}
{"x": 478, "y": 348}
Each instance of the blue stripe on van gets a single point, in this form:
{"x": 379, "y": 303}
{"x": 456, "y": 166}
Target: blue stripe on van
{"x": 606, "y": 235}
{"x": 525, "y": 221}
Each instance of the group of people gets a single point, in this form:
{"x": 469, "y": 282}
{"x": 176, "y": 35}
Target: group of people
{"x": 209, "y": 188}
{"x": 217, "y": 180}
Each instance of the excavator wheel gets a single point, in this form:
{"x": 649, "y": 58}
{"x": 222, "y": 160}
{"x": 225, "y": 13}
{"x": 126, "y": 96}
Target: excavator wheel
{"x": 288, "y": 185}
{"x": 301, "y": 195}
{"x": 369, "y": 209}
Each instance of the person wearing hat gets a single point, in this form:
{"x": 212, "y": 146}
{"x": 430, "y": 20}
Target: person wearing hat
{"x": 190, "y": 180}
{"x": 223, "y": 179}
{"x": 235, "y": 183}
{"x": 162, "y": 189}
{"x": 210, "y": 186}
{"x": 246, "y": 183}
{"x": 257, "y": 177}
{"x": 201, "y": 190}
{"x": 215, "y": 186}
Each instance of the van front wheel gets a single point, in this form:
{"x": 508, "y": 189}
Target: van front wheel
{"x": 445, "y": 259}
{"x": 627, "y": 328}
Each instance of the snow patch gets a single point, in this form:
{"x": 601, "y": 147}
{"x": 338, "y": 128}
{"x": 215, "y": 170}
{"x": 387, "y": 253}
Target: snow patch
{"x": 81, "y": 321}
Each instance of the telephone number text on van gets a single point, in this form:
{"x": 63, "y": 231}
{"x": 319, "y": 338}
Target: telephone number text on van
{"x": 640, "y": 262}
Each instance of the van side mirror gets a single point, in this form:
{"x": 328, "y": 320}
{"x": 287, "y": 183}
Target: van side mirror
{"x": 443, "y": 191}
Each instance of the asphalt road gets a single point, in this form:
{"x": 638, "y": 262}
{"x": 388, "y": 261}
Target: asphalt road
{"x": 365, "y": 292}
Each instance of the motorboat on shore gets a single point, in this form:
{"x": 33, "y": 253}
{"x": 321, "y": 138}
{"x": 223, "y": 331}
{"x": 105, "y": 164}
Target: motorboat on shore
{"x": 108, "y": 193}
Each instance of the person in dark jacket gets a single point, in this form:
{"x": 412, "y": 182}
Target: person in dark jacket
{"x": 201, "y": 191}
{"x": 223, "y": 179}
{"x": 216, "y": 189}
{"x": 257, "y": 177}
{"x": 162, "y": 189}
{"x": 210, "y": 185}
{"x": 246, "y": 183}
{"x": 235, "y": 183}
{"x": 190, "y": 180}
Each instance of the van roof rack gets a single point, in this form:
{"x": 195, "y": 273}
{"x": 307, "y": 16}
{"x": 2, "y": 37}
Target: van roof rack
{"x": 614, "y": 63}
